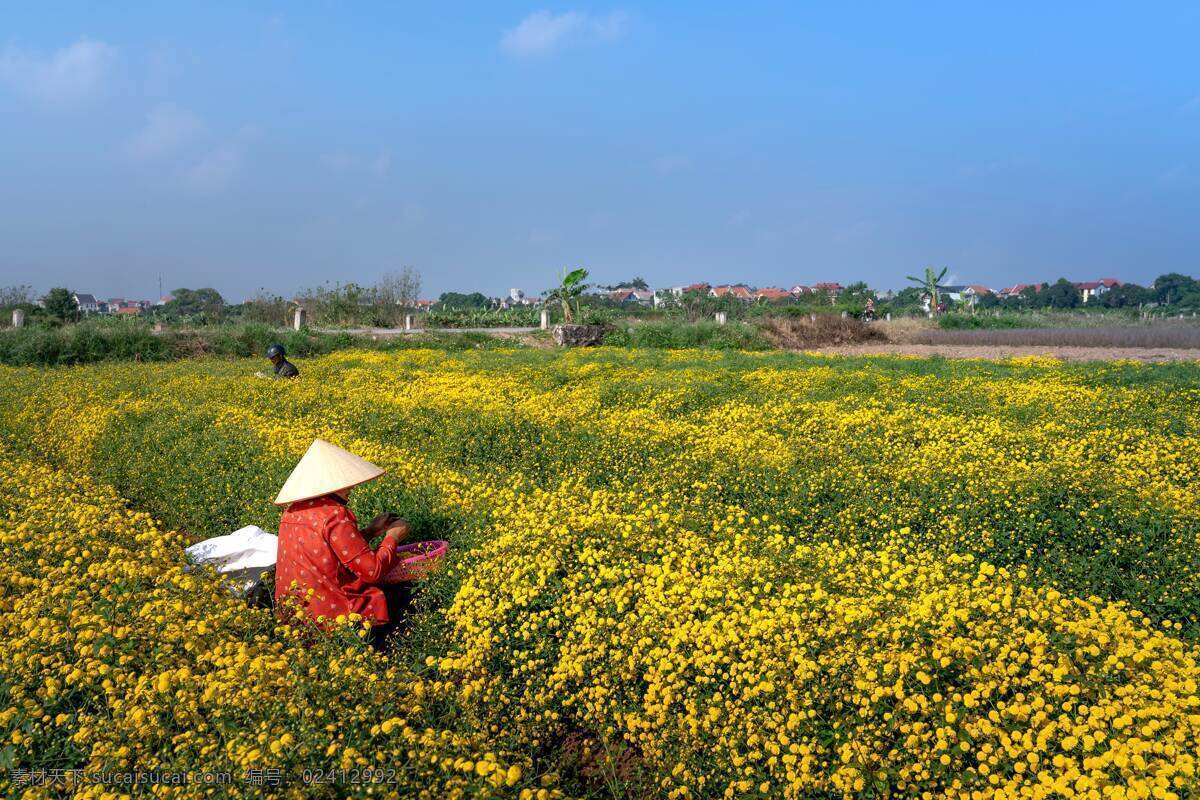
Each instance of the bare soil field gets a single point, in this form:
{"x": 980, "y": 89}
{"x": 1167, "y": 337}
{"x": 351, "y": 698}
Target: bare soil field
{"x": 993, "y": 352}
{"x": 1163, "y": 335}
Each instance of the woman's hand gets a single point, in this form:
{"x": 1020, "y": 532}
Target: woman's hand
{"x": 380, "y": 524}
{"x": 399, "y": 530}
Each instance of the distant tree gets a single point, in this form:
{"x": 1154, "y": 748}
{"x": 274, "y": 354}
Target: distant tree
{"x": 205, "y": 302}
{"x": 1174, "y": 288}
{"x": 858, "y": 289}
{"x": 636, "y": 283}
{"x": 401, "y": 288}
{"x": 907, "y": 298}
{"x": 1127, "y": 295}
{"x": 1029, "y": 297}
{"x": 451, "y": 301}
{"x": 568, "y": 292}
{"x": 11, "y": 296}
{"x": 990, "y": 300}
{"x": 1061, "y": 294}
{"x": 60, "y": 304}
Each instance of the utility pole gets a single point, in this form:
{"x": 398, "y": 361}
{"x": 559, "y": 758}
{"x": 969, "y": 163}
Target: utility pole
{"x": 160, "y": 294}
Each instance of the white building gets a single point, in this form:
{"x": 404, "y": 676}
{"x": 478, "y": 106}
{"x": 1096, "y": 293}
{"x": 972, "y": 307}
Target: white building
{"x": 87, "y": 303}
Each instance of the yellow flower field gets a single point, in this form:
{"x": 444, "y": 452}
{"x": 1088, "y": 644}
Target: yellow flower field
{"x": 681, "y": 574}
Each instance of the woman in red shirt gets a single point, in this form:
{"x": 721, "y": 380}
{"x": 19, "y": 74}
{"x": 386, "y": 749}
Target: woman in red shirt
{"x": 325, "y": 564}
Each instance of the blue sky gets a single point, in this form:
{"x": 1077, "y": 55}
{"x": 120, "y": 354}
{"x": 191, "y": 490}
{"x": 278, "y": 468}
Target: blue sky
{"x": 488, "y": 145}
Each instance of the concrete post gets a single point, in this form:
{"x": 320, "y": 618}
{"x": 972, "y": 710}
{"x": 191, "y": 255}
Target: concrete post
{"x": 888, "y": 316}
{"x": 843, "y": 315}
{"x": 812, "y": 317}
{"x": 408, "y": 322}
{"x": 18, "y": 318}
{"x": 545, "y": 319}
{"x": 300, "y": 319}
{"x": 721, "y": 317}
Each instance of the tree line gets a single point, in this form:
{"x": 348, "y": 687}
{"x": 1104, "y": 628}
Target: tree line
{"x": 1172, "y": 290}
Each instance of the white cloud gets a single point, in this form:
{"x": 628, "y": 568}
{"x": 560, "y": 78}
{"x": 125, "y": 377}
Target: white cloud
{"x": 69, "y": 77}
{"x": 221, "y": 167}
{"x": 542, "y": 31}
{"x": 166, "y": 129}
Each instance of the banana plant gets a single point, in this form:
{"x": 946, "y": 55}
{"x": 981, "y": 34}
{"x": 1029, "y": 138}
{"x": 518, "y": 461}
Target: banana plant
{"x": 930, "y": 284}
{"x": 568, "y": 292}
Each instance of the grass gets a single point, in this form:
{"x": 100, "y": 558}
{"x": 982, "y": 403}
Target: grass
{"x": 678, "y": 335}
{"x": 100, "y": 340}
{"x": 110, "y": 340}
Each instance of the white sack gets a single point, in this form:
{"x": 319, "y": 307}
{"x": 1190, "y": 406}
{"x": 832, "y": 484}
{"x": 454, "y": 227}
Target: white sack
{"x": 240, "y": 555}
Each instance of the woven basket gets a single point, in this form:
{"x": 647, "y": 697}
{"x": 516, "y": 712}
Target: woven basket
{"x": 416, "y": 561}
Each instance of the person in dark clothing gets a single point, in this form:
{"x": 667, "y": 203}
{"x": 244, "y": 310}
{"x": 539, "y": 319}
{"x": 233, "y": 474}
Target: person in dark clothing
{"x": 283, "y": 367}
{"x": 399, "y": 598}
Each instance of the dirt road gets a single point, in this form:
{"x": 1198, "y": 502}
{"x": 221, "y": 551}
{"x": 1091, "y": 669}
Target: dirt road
{"x": 1007, "y": 351}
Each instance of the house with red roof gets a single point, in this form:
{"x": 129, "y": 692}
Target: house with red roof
{"x": 738, "y": 290}
{"x": 971, "y": 293}
{"x": 773, "y": 294}
{"x": 1090, "y": 289}
{"x": 680, "y": 291}
{"x": 627, "y": 294}
{"x": 1015, "y": 291}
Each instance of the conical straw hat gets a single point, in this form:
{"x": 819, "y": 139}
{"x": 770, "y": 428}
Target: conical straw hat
{"x": 325, "y": 468}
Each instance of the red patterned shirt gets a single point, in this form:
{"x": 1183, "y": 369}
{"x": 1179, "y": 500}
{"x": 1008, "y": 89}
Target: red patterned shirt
{"x": 320, "y": 548}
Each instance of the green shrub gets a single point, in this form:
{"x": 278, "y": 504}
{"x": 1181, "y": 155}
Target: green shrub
{"x": 96, "y": 340}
